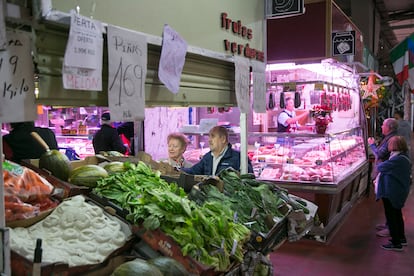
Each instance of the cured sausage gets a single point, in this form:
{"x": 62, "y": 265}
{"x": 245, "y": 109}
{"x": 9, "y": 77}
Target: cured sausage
{"x": 282, "y": 100}
{"x": 297, "y": 99}
{"x": 271, "y": 101}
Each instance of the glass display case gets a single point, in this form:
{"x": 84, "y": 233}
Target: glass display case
{"x": 81, "y": 144}
{"x": 307, "y": 157}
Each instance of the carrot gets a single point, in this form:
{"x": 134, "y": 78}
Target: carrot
{"x": 20, "y": 207}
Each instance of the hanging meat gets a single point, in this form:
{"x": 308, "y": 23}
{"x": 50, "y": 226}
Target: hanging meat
{"x": 282, "y": 100}
{"x": 297, "y": 99}
{"x": 271, "y": 101}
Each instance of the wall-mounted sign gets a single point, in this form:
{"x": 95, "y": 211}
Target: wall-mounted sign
{"x": 343, "y": 43}
{"x": 240, "y": 30}
{"x": 284, "y": 8}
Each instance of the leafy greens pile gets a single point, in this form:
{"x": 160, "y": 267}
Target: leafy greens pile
{"x": 257, "y": 204}
{"x": 207, "y": 233}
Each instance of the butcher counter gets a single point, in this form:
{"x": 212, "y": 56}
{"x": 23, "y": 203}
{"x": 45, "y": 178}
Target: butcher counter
{"x": 331, "y": 170}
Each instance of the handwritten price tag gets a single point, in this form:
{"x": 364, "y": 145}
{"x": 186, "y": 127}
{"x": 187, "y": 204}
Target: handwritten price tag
{"x": 127, "y": 54}
{"x": 16, "y": 80}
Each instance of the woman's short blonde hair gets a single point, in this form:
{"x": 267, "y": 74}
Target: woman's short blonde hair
{"x": 180, "y": 137}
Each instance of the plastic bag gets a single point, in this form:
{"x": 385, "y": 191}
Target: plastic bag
{"x": 26, "y": 193}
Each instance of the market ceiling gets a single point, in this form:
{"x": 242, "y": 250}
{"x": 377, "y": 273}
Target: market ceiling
{"x": 397, "y": 22}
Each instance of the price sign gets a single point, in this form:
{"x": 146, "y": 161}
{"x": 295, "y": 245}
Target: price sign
{"x": 85, "y": 43}
{"x": 318, "y": 86}
{"x": 174, "y": 49}
{"x": 127, "y": 54}
{"x": 259, "y": 87}
{"x": 82, "y": 66}
{"x": 242, "y": 81}
{"x": 17, "y": 101}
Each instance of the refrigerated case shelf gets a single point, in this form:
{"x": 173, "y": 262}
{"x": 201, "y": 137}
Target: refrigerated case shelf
{"x": 81, "y": 144}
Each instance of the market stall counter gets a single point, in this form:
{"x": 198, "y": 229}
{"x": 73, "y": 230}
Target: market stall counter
{"x": 331, "y": 170}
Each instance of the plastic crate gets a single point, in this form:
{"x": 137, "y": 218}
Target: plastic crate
{"x": 266, "y": 243}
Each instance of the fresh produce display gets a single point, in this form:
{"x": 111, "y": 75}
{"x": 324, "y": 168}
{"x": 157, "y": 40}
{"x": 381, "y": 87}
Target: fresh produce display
{"x": 57, "y": 163}
{"x": 114, "y": 167}
{"x": 111, "y": 153}
{"x": 207, "y": 233}
{"x": 256, "y": 203}
{"x": 54, "y": 161}
{"x": 26, "y": 193}
{"x": 137, "y": 267}
{"x": 308, "y": 161}
{"x": 76, "y": 233}
{"x": 168, "y": 266}
{"x": 87, "y": 175}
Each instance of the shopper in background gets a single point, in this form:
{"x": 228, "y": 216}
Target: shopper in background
{"x": 177, "y": 145}
{"x": 287, "y": 119}
{"x": 389, "y": 129}
{"x": 404, "y": 127}
{"x": 220, "y": 157}
{"x": 127, "y": 130}
{"x": 107, "y": 138}
{"x": 393, "y": 188}
{"x": 19, "y": 143}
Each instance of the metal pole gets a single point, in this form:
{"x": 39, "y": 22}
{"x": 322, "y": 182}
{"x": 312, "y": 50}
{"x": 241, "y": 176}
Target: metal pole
{"x": 243, "y": 143}
{"x": 5, "y": 254}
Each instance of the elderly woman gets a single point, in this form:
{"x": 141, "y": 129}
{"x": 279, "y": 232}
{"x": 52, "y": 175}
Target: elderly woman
{"x": 393, "y": 186}
{"x": 177, "y": 145}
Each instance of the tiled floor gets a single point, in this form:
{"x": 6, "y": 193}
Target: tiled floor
{"x": 354, "y": 249}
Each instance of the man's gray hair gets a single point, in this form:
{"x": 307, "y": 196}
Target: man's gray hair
{"x": 391, "y": 123}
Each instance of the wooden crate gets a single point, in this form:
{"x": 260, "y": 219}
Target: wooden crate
{"x": 166, "y": 246}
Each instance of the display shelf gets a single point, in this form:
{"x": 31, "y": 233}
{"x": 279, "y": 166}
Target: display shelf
{"x": 87, "y": 137}
{"x": 308, "y": 157}
{"x": 334, "y": 179}
{"x": 82, "y": 144}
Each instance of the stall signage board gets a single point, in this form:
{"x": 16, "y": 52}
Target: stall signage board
{"x": 343, "y": 43}
{"x": 82, "y": 66}
{"x": 242, "y": 81}
{"x": 127, "y": 69}
{"x": 284, "y": 8}
{"x": 17, "y": 103}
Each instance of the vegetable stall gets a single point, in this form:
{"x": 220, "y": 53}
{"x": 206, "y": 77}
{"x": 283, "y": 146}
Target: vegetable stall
{"x": 208, "y": 231}
{"x": 151, "y": 216}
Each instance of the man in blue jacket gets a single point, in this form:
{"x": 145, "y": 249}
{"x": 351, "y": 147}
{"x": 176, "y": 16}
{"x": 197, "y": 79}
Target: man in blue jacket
{"x": 220, "y": 156}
